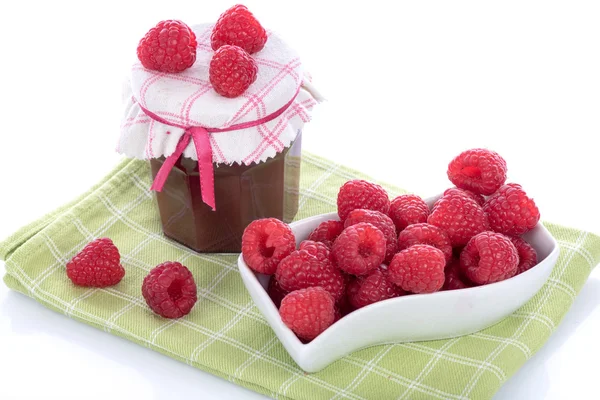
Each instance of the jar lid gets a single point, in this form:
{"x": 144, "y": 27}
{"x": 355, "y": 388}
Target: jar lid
{"x": 251, "y": 128}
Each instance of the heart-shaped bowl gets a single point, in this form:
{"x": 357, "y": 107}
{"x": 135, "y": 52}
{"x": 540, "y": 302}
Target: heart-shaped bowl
{"x": 412, "y": 318}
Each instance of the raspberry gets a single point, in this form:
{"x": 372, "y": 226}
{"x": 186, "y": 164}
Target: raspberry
{"x": 265, "y": 243}
{"x": 511, "y": 211}
{"x": 276, "y": 292}
{"x": 231, "y": 71}
{"x": 98, "y": 264}
{"x": 454, "y": 278}
{"x": 379, "y": 221}
{"x": 238, "y": 27}
{"x": 489, "y": 257}
{"x": 372, "y": 288}
{"x": 359, "y": 249}
{"x": 327, "y": 232}
{"x": 408, "y": 209}
{"x": 479, "y": 199}
{"x": 459, "y": 216}
{"x": 308, "y": 312}
{"x": 527, "y": 254}
{"x": 170, "y": 290}
{"x": 361, "y": 194}
{"x": 425, "y": 234}
{"x": 301, "y": 270}
{"x": 343, "y": 304}
{"x": 479, "y": 170}
{"x": 168, "y": 47}
{"x": 316, "y": 249}
{"x": 418, "y": 269}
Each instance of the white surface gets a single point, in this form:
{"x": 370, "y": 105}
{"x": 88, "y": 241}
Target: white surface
{"x": 520, "y": 77}
{"x": 406, "y": 318}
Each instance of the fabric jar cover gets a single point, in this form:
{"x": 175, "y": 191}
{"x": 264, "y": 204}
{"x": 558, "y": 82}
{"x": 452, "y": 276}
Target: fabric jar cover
{"x": 188, "y": 99}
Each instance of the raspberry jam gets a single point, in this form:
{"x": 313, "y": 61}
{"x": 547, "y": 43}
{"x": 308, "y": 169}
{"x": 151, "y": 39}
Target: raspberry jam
{"x": 243, "y": 193}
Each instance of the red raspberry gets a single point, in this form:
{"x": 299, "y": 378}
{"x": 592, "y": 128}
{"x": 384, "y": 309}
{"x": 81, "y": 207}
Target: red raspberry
{"x": 98, "y": 264}
{"x": 316, "y": 249}
{"x": 343, "y": 304}
{"x": 479, "y": 170}
{"x": 379, "y": 221}
{"x": 265, "y": 243}
{"x": 361, "y": 194}
{"x": 408, "y": 209}
{"x": 301, "y": 270}
{"x": 276, "y": 292}
{"x": 527, "y": 254}
{"x": 168, "y": 47}
{"x": 510, "y": 211}
{"x": 308, "y": 312}
{"x": 170, "y": 290}
{"x": 477, "y": 197}
{"x": 454, "y": 277}
{"x": 459, "y": 216}
{"x": 359, "y": 249}
{"x": 337, "y": 314}
{"x": 425, "y": 234}
{"x": 418, "y": 269}
{"x": 231, "y": 71}
{"x": 238, "y": 27}
{"x": 327, "y": 232}
{"x": 371, "y": 288}
{"x": 489, "y": 257}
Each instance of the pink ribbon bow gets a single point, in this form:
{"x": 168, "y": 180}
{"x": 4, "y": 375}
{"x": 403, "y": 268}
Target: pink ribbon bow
{"x": 199, "y": 135}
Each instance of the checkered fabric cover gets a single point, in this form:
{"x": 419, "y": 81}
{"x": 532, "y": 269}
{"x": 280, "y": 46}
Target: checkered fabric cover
{"x": 188, "y": 99}
{"x": 227, "y": 336}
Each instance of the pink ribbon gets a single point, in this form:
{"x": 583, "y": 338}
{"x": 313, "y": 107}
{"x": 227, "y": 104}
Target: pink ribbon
{"x": 199, "y": 135}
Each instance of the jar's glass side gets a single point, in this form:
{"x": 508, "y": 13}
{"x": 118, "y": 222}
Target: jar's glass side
{"x": 242, "y": 194}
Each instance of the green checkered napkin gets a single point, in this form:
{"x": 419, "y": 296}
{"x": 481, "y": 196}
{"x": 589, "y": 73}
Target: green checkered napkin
{"x": 227, "y": 336}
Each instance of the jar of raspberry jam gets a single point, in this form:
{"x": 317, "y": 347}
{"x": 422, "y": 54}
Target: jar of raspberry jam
{"x": 219, "y": 163}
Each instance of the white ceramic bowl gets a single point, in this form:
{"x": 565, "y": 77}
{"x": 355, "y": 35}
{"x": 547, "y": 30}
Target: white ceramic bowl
{"x": 417, "y": 317}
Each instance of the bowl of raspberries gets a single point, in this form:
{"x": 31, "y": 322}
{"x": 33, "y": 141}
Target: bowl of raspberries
{"x": 383, "y": 270}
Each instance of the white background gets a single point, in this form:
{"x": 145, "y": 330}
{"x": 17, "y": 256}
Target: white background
{"x": 409, "y": 86}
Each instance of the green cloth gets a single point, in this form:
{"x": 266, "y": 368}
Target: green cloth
{"x": 227, "y": 336}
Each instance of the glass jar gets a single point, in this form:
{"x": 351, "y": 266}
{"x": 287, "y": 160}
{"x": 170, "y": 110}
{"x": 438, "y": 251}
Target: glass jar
{"x": 243, "y": 193}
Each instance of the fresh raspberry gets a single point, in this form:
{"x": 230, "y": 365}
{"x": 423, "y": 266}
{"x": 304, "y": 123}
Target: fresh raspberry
{"x": 231, "y": 71}
{"x": 371, "y": 288}
{"x": 479, "y": 170}
{"x": 168, "y": 47}
{"x": 489, "y": 257}
{"x": 359, "y": 249}
{"x": 459, "y": 216}
{"x": 317, "y": 249}
{"x": 343, "y": 304}
{"x": 361, "y": 194}
{"x": 477, "y": 197}
{"x": 454, "y": 277}
{"x": 265, "y": 243}
{"x": 308, "y": 312}
{"x": 301, "y": 270}
{"x": 425, "y": 234}
{"x": 527, "y": 254}
{"x": 379, "y": 221}
{"x": 408, "y": 209}
{"x": 327, "y": 232}
{"x": 98, "y": 264}
{"x": 238, "y": 27}
{"x": 510, "y": 211}
{"x": 418, "y": 269}
{"x": 276, "y": 292}
{"x": 170, "y": 290}
{"x": 337, "y": 314}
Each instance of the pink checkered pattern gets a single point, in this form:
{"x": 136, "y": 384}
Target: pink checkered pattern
{"x": 188, "y": 99}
